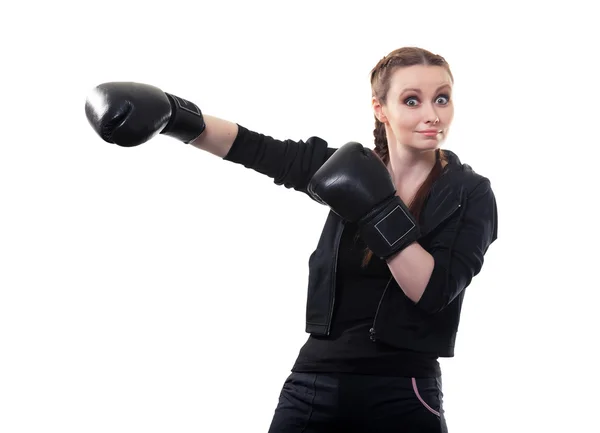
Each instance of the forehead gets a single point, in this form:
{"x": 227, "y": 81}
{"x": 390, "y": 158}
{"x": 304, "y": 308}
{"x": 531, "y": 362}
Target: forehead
{"x": 425, "y": 78}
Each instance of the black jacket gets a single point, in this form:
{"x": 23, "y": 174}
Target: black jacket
{"x": 458, "y": 224}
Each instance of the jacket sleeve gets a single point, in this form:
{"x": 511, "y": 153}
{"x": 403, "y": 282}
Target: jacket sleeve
{"x": 459, "y": 248}
{"x": 289, "y": 163}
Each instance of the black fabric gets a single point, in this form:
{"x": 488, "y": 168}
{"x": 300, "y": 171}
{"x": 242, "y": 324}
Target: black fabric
{"x": 349, "y": 348}
{"x": 458, "y": 223}
{"x": 349, "y": 403}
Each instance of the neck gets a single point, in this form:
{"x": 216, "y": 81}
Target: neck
{"x": 410, "y": 169}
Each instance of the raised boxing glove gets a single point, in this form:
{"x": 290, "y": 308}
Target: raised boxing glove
{"x": 129, "y": 114}
{"x": 357, "y": 186}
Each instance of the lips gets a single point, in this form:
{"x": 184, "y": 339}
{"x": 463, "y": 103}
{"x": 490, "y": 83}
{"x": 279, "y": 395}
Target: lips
{"x": 430, "y": 132}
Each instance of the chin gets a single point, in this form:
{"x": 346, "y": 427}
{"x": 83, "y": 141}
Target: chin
{"x": 427, "y": 147}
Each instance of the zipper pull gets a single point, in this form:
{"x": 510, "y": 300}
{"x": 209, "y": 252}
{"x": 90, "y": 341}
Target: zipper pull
{"x": 372, "y": 334}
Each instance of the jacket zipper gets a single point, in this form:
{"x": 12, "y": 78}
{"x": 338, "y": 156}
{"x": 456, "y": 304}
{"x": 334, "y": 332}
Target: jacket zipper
{"x": 372, "y": 331}
{"x": 338, "y": 236}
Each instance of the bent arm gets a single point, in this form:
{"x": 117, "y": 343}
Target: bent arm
{"x": 458, "y": 252}
{"x": 433, "y": 278}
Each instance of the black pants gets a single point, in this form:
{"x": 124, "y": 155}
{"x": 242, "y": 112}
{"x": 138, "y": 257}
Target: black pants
{"x": 315, "y": 403}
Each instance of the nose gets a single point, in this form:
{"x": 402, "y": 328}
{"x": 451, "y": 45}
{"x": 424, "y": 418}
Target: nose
{"x": 431, "y": 115}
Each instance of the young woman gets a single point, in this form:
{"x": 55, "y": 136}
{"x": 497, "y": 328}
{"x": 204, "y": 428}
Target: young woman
{"x": 408, "y": 230}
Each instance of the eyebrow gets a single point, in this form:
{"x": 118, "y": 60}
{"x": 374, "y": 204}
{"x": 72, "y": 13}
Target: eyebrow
{"x": 419, "y": 91}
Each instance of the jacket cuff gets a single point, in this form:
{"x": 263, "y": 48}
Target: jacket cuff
{"x": 240, "y": 151}
{"x": 430, "y": 299}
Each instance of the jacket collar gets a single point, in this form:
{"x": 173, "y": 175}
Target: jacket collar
{"x": 454, "y": 162}
{"x": 446, "y": 194}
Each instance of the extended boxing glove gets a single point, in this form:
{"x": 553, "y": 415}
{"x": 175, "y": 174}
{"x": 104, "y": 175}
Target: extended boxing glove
{"x": 129, "y": 114}
{"x": 357, "y": 186}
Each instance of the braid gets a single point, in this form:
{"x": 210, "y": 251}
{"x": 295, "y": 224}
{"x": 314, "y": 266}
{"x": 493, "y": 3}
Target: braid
{"x": 381, "y": 144}
{"x": 381, "y": 150}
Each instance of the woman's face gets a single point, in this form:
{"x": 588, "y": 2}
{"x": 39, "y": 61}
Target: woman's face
{"x": 419, "y": 99}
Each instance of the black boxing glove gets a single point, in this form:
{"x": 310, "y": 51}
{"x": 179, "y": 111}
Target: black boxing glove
{"x": 129, "y": 114}
{"x": 357, "y": 186}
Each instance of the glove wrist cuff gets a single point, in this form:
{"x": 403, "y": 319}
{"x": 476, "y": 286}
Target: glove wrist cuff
{"x": 186, "y": 122}
{"x": 390, "y": 229}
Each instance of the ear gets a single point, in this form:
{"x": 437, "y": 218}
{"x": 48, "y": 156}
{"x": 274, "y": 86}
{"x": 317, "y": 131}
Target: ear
{"x": 378, "y": 110}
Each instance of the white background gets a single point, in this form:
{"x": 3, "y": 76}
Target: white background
{"x": 160, "y": 289}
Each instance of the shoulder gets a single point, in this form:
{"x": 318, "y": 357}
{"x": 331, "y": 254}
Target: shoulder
{"x": 472, "y": 192}
{"x": 460, "y": 176}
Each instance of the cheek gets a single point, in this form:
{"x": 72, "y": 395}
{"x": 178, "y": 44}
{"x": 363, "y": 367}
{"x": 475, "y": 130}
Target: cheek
{"x": 403, "y": 120}
{"x": 449, "y": 114}
{"x": 408, "y": 120}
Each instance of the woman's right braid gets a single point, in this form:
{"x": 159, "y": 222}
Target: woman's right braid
{"x": 381, "y": 148}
